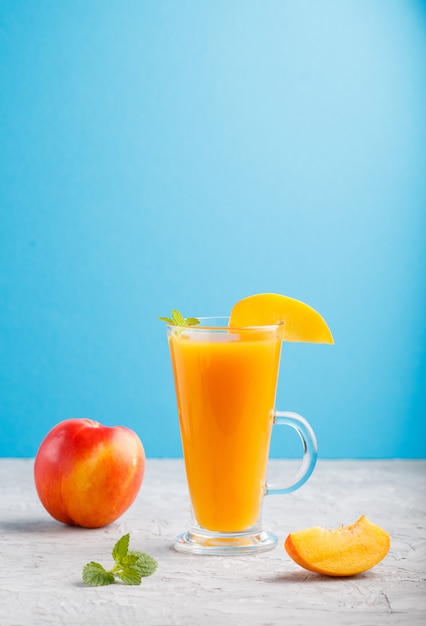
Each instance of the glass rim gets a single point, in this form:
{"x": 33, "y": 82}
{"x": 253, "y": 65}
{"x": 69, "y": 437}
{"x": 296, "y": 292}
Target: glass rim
{"x": 205, "y": 325}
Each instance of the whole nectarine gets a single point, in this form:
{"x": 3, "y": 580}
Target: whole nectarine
{"x": 87, "y": 474}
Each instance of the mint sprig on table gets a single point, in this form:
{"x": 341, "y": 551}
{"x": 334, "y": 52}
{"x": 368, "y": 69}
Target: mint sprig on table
{"x": 177, "y": 319}
{"x": 130, "y": 566}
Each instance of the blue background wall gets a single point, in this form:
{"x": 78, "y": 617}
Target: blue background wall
{"x": 187, "y": 154}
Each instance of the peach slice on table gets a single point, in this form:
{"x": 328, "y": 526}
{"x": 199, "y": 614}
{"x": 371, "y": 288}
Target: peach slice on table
{"x": 298, "y": 321}
{"x": 343, "y": 551}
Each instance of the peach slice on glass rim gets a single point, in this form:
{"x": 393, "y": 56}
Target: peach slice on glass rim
{"x": 298, "y": 321}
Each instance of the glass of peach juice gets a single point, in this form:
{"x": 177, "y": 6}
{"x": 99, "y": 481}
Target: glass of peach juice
{"x": 225, "y": 382}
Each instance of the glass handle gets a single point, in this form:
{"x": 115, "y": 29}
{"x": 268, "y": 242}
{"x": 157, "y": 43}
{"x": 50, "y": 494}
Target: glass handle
{"x": 310, "y": 450}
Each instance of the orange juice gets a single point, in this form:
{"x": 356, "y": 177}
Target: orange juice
{"x": 225, "y": 387}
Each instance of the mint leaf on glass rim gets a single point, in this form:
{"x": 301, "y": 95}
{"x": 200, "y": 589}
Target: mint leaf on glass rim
{"x": 177, "y": 319}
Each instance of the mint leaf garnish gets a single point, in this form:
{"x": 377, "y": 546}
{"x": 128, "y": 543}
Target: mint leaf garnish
{"x": 130, "y": 566}
{"x": 96, "y": 575}
{"x": 145, "y": 564}
{"x": 121, "y": 548}
{"x": 191, "y": 321}
{"x": 177, "y": 319}
{"x": 130, "y": 576}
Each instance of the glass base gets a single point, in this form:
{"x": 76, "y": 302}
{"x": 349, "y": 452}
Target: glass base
{"x": 201, "y": 541}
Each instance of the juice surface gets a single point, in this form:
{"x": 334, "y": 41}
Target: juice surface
{"x": 225, "y": 387}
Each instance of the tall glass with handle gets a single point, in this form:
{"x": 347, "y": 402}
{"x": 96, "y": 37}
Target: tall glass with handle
{"x": 225, "y": 381}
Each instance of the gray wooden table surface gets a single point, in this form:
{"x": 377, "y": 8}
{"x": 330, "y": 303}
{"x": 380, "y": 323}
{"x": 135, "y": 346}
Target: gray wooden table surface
{"x": 41, "y": 560}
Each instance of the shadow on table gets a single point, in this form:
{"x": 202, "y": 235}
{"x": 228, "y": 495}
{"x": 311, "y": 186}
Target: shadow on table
{"x": 307, "y": 577}
{"x": 32, "y": 526}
